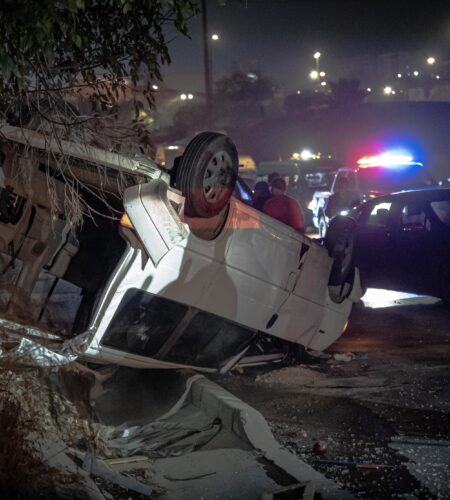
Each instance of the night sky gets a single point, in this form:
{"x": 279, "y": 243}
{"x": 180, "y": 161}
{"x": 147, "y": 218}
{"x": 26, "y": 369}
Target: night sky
{"x": 279, "y": 36}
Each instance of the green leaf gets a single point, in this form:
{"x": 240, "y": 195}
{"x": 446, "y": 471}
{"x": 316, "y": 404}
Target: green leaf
{"x": 78, "y": 41}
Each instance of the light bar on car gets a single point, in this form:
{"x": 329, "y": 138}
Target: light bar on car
{"x": 388, "y": 159}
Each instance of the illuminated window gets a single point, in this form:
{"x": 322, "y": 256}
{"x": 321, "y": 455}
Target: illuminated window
{"x": 379, "y": 214}
{"x": 442, "y": 210}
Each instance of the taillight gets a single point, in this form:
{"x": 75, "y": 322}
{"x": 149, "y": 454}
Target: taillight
{"x": 126, "y": 222}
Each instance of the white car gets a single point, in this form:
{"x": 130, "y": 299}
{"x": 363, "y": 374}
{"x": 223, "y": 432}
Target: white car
{"x": 190, "y": 276}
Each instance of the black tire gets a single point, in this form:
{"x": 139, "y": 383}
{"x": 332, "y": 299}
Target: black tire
{"x": 207, "y": 173}
{"x": 339, "y": 241}
{"x": 322, "y": 226}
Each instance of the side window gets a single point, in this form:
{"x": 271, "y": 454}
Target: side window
{"x": 414, "y": 218}
{"x": 442, "y": 210}
{"x": 351, "y": 181}
{"x": 377, "y": 215}
{"x": 338, "y": 179}
{"x": 295, "y": 186}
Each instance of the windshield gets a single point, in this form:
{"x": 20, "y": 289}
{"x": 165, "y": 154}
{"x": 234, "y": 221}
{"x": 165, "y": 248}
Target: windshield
{"x": 317, "y": 179}
{"x": 389, "y": 180}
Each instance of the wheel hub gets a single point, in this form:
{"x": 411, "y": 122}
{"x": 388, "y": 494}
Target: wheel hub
{"x": 217, "y": 180}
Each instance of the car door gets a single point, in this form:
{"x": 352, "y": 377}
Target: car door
{"x": 415, "y": 244}
{"x": 374, "y": 244}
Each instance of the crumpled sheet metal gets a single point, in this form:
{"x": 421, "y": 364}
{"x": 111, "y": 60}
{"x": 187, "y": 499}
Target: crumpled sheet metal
{"x": 30, "y": 354}
{"x": 186, "y": 432}
{"x": 10, "y": 327}
{"x": 32, "y": 347}
{"x": 184, "y": 428}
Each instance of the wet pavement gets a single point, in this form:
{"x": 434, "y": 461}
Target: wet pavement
{"x": 382, "y": 419}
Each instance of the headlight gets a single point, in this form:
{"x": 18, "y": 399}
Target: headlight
{"x": 343, "y": 212}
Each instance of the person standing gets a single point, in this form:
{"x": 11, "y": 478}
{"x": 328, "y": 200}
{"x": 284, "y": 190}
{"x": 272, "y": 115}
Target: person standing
{"x": 262, "y": 194}
{"x": 284, "y": 208}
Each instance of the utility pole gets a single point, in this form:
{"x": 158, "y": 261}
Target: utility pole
{"x": 207, "y": 68}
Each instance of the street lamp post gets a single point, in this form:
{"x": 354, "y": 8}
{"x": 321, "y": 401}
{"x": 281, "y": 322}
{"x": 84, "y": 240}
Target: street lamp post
{"x": 214, "y": 37}
{"x": 207, "y": 68}
{"x": 317, "y": 58}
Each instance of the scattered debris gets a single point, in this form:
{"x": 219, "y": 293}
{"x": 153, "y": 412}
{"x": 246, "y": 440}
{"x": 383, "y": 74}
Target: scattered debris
{"x": 428, "y": 461}
{"x": 320, "y": 447}
{"x": 292, "y": 375}
{"x": 98, "y": 468}
{"x": 345, "y": 356}
{"x": 368, "y": 466}
{"x": 318, "y": 354}
{"x": 127, "y": 460}
{"x": 304, "y": 491}
{"x": 189, "y": 478}
{"x": 350, "y": 382}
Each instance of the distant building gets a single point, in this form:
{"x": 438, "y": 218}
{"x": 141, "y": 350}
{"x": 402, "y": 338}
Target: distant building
{"x": 362, "y": 68}
{"x": 407, "y": 75}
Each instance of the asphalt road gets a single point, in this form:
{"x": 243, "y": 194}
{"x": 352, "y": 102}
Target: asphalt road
{"x": 380, "y": 411}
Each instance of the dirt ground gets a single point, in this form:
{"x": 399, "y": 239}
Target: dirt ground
{"x": 375, "y": 413}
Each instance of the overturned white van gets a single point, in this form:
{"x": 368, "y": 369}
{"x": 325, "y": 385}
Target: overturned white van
{"x": 167, "y": 269}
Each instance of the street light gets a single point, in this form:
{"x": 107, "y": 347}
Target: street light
{"x": 431, "y": 60}
{"x": 215, "y": 37}
{"x": 416, "y": 73}
{"x": 183, "y": 97}
{"x": 387, "y": 90}
{"x": 206, "y": 66}
{"x": 317, "y": 57}
{"x": 314, "y": 75}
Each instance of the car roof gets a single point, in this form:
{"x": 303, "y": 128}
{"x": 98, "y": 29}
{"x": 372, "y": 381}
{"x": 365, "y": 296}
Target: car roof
{"x": 290, "y": 167}
{"x": 418, "y": 194}
{"x": 364, "y": 169}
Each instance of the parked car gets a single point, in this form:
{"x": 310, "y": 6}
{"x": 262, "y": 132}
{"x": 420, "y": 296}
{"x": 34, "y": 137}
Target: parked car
{"x": 173, "y": 271}
{"x": 247, "y": 169}
{"x": 374, "y": 176}
{"x": 402, "y": 242}
{"x": 303, "y": 178}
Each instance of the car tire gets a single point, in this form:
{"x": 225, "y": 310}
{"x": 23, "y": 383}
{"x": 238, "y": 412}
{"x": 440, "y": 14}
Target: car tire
{"x": 206, "y": 174}
{"x": 339, "y": 241}
{"x": 322, "y": 226}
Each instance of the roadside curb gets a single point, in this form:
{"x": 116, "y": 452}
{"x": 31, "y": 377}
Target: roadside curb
{"x": 249, "y": 425}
